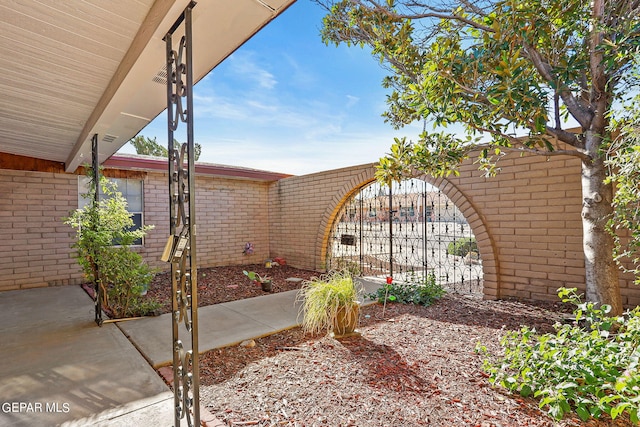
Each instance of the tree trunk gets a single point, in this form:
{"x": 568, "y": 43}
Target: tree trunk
{"x": 601, "y": 270}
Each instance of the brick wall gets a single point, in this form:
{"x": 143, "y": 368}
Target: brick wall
{"x": 35, "y": 245}
{"x": 230, "y": 213}
{"x": 303, "y": 209}
{"x": 531, "y": 211}
{"x": 526, "y": 220}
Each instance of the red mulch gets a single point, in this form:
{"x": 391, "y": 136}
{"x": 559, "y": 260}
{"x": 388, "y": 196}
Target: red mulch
{"x": 412, "y": 366}
{"x": 223, "y": 284}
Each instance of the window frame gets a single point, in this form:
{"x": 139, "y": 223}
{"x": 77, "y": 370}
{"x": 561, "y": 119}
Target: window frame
{"x": 83, "y": 188}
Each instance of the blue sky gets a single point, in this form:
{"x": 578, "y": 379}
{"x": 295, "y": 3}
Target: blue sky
{"x": 286, "y": 102}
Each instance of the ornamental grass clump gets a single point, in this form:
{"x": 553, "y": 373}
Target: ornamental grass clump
{"x": 328, "y": 300}
{"x": 590, "y": 367}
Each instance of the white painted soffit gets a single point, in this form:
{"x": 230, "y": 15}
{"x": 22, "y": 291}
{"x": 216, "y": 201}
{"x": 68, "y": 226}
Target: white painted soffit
{"x": 73, "y": 68}
{"x": 219, "y": 28}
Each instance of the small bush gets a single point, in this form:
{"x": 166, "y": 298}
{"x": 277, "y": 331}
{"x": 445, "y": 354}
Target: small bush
{"x": 126, "y": 277}
{"x": 418, "y": 290}
{"x": 463, "y": 246}
{"x": 103, "y": 240}
{"x": 589, "y": 370}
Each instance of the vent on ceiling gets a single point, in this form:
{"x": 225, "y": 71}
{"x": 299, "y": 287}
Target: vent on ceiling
{"x": 161, "y": 77}
{"x": 109, "y": 138}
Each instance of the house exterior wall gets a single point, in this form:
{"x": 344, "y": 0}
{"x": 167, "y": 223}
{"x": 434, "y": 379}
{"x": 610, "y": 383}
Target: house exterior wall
{"x": 526, "y": 221}
{"x": 35, "y": 245}
{"x": 229, "y": 213}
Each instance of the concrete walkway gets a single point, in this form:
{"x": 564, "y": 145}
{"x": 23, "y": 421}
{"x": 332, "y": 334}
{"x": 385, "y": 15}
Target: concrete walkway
{"x": 220, "y": 325}
{"x": 57, "y": 367}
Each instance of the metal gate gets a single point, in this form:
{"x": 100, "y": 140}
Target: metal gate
{"x": 408, "y": 229}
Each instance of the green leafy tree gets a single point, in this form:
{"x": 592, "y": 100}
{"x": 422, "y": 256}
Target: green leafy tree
{"x": 150, "y": 147}
{"x": 504, "y": 69}
{"x": 624, "y": 161}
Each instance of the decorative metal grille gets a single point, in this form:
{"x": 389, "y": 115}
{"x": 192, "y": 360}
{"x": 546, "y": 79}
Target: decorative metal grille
{"x": 98, "y": 289}
{"x": 410, "y": 229}
{"x": 181, "y": 247}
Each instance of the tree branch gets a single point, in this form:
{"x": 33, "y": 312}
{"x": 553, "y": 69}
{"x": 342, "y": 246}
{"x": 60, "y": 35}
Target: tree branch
{"x": 448, "y": 17}
{"x": 566, "y": 137}
{"x": 522, "y": 149}
{"x": 576, "y": 108}
{"x": 433, "y": 13}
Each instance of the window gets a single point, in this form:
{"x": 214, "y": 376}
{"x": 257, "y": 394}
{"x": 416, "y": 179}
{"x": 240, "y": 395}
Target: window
{"x": 407, "y": 211}
{"x": 132, "y": 191}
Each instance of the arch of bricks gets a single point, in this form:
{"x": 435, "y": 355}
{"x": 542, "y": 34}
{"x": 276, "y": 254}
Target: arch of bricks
{"x": 486, "y": 248}
{"x": 526, "y": 220}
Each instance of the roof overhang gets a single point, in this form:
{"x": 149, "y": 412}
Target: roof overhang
{"x": 156, "y": 164}
{"x": 74, "y": 69}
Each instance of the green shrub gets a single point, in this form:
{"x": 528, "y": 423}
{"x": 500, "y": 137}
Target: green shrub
{"x": 418, "y": 290}
{"x": 589, "y": 367}
{"x": 120, "y": 273}
{"x": 463, "y": 246}
{"x": 127, "y": 276}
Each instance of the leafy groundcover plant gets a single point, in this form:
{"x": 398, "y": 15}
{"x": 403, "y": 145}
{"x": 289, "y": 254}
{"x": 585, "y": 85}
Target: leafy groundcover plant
{"x": 417, "y": 290}
{"x": 589, "y": 367}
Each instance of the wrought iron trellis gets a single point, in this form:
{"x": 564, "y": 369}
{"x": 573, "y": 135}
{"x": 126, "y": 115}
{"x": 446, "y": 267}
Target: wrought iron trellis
{"x": 181, "y": 247}
{"x": 407, "y": 229}
{"x": 95, "y": 166}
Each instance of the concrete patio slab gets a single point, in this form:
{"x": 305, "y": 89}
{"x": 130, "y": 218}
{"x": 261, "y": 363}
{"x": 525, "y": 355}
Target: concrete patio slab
{"x": 277, "y": 311}
{"x": 57, "y": 365}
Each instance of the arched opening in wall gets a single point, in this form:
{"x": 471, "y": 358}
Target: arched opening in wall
{"x": 409, "y": 231}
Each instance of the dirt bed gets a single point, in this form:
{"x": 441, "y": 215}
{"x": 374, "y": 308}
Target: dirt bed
{"x": 412, "y": 366}
{"x": 223, "y": 284}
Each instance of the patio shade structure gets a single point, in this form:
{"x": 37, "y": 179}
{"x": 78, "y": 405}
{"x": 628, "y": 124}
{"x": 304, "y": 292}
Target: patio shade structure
{"x": 78, "y": 68}
{"x": 81, "y": 78}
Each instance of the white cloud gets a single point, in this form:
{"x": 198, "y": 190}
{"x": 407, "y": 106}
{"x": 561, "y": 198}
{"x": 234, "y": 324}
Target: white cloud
{"x": 242, "y": 63}
{"x": 352, "y": 100}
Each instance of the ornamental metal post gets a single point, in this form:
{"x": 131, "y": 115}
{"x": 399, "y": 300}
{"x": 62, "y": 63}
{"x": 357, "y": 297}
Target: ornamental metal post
{"x": 95, "y": 165}
{"x": 181, "y": 248}
{"x": 390, "y": 229}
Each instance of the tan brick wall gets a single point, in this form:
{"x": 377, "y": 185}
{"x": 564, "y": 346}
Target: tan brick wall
{"x": 303, "y": 209}
{"x": 34, "y": 243}
{"x": 35, "y": 246}
{"x": 526, "y": 220}
{"x": 532, "y": 214}
{"x": 230, "y": 213}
